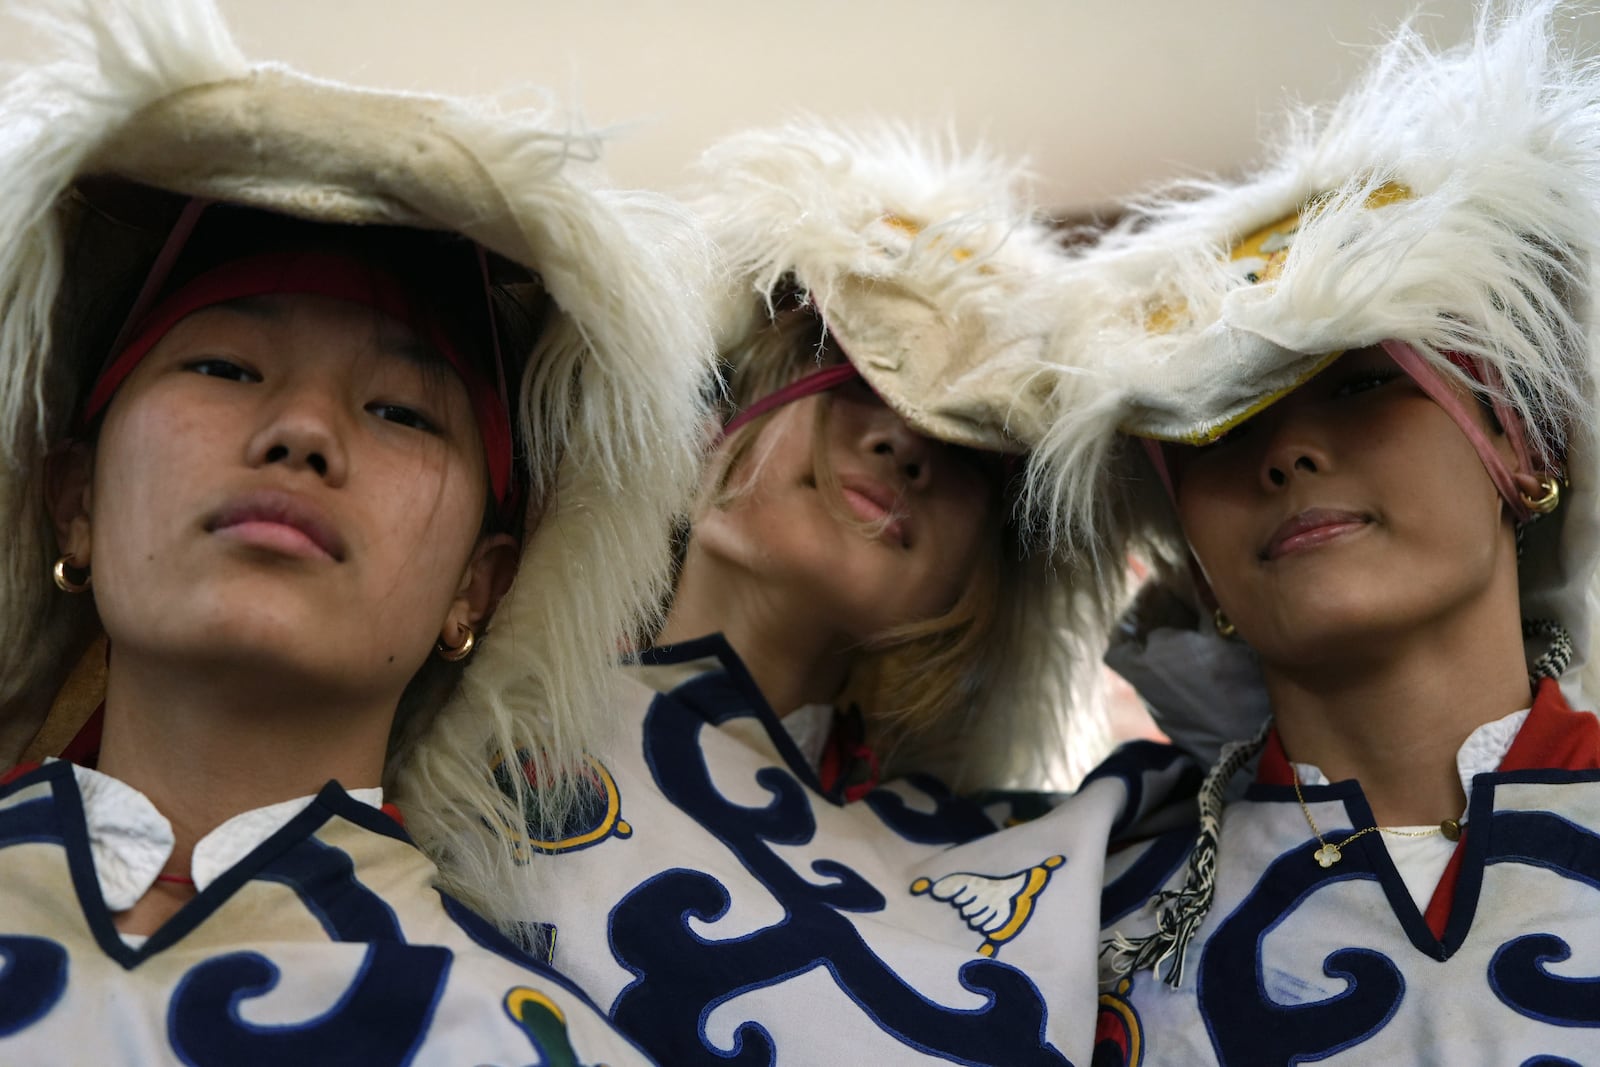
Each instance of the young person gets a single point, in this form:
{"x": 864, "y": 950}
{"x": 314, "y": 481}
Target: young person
{"x": 298, "y": 377}
{"x": 1375, "y": 429}
{"x": 777, "y": 868}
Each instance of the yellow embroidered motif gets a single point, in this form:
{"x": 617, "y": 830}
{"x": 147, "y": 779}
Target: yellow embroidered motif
{"x": 545, "y": 1024}
{"x": 595, "y": 818}
{"x": 1118, "y": 1025}
{"x": 996, "y": 906}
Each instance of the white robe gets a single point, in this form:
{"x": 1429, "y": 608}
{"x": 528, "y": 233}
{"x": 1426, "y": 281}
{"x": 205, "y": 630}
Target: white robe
{"x": 719, "y": 905}
{"x": 324, "y": 944}
{"x": 1302, "y": 963}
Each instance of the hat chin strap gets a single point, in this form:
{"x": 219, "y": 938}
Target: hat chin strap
{"x": 1459, "y": 408}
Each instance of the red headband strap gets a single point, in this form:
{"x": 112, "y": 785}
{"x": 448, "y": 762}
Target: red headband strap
{"x": 161, "y": 269}
{"x": 808, "y": 385}
{"x": 331, "y": 275}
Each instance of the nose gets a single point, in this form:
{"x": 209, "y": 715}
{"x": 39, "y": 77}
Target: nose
{"x": 302, "y": 430}
{"x": 1293, "y": 448}
{"x": 907, "y": 453}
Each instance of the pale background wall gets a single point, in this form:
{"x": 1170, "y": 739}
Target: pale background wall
{"x": 1103, "y": 95}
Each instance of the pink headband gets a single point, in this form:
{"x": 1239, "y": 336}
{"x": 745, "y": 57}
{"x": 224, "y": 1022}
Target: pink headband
{"x": 316, "y": 274}
{"x": 1455, "y": 405}
{"x": 1458, "y": 408}
{"x": 819, "y": 381}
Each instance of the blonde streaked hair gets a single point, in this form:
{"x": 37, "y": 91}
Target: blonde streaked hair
{"x": 920, "y": 686}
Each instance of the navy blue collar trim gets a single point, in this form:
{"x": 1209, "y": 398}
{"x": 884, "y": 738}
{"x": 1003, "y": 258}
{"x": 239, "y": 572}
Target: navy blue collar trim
{"x": 718, "y": 696}
{"x": 331, "y": 801}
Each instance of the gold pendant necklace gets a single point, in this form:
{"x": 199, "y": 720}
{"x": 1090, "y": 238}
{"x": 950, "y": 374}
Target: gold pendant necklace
{"x": 1329, "y": 853}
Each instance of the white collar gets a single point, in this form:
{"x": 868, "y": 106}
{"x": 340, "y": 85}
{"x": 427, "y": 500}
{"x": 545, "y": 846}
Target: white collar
{"x": 131, "y": 841}
{"x": 810, "y": 726}
{"x": 1482, "y": 752}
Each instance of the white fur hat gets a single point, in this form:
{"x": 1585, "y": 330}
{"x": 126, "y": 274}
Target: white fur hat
{"x": 611, "y": 402}
{"x": 929, "y": 267}
{"x": 923, "y": 261}
{"x": 1451, "y": 202}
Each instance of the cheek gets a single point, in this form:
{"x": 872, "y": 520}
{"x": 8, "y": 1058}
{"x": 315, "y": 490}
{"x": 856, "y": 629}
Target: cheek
{"x": 1209, "y": 518}
{"x": 430, "y": 511}
{"x": 783, "y": 454}
{"x": 964, "y": 526}
{"x": 151, "y": 459}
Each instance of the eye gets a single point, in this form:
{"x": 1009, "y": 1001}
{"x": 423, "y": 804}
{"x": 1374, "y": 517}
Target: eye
{"x": 404, "y": 416}
{"x": 226, "y": 369}
{"x": 1363, "y": 381}
{"x": 1232, "y": 435}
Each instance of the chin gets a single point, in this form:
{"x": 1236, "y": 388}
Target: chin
{"x": 1331, "y": 628}
{"x": 249, "y": 619}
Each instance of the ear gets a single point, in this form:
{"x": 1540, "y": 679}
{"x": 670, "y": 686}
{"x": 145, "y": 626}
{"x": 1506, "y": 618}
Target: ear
{"x": 68, "y": 486}
{"x": 487, "y": 576}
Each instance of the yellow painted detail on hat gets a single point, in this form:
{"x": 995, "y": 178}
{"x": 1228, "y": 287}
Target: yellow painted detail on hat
{"x": 912, "y": 229}
{"x": 1389, "y": 193}
{"x": 1166, "y": 317}
{"x": 1261, "y": 256}
{"x": 1264, "y": 251}
{"x": 903, "y": 224}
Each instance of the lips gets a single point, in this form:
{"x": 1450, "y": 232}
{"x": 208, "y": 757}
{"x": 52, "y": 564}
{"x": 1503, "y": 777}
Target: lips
{"x": 873, "y": 502}
{"x": 285, "y": 523}
{"x": 1310, "y": 528}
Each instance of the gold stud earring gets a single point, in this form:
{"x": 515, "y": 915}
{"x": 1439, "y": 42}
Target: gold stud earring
{"x": 455, "y": 655}
{"x": 1225, "y": 627}
{"x": 65, "y": 582}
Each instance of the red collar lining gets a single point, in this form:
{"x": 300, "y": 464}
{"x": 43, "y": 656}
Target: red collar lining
{"x": 1553, "y": 737}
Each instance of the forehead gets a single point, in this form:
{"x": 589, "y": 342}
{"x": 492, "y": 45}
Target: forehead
{"x": 355, "y": 327}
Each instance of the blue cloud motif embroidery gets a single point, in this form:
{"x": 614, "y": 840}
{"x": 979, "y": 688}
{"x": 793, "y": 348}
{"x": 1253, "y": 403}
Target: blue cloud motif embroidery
{"x": 683, "y": 976}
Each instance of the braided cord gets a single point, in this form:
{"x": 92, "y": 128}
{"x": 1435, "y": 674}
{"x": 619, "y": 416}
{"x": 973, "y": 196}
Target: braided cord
{"x": 1179, "y": 912}
{"x": 1554, "y": 661}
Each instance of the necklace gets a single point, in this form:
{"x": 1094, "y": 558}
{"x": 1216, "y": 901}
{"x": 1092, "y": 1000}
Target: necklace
{"x": 1329, "y": 853}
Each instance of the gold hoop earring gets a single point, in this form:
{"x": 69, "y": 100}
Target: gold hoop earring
{"x": 1224, "y": 625}
{"x": 66, "y": 584}
{"x": 1548, "y": 500}
{"x": 456, "y": 655}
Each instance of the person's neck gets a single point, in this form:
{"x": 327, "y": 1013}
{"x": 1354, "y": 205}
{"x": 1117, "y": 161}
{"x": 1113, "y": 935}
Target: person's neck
{"x": 1396, "y": 719}
{"x": 206, "y": 745}
{"x": 794, "y": 660}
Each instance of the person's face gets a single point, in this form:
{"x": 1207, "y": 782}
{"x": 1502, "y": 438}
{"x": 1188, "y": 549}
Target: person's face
{"x": 901, "y": 545}
{"x": 1349, "y": 511}
{"x": 287, "y": 482}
